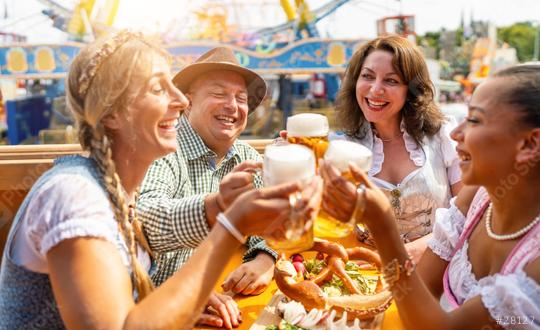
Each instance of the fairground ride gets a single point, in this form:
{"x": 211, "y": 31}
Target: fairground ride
{"x": 85, "y": 19}
{"x": 293, "y": 47}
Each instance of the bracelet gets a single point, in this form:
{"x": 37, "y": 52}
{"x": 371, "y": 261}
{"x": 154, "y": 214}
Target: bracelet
{"x": 392, "y": 271}
{"x": 222, "y": 219}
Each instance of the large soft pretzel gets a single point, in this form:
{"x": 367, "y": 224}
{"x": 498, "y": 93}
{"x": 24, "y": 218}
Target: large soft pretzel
{"x": 309, "y": 293}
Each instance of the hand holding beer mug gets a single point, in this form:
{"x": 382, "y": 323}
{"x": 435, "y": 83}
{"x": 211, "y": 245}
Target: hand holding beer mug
{"x": 336, "y": 218}
{"x": 286, "y": 163}
{"x": 309, "y": 129}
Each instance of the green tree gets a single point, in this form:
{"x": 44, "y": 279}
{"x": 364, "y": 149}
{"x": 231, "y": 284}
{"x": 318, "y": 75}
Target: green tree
{"x": 521, "y": 37}
{"x": 459, "y": 36}
{"x": 432, "y": 40}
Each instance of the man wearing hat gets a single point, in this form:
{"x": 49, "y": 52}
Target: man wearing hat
{"x": 183, "y": 192}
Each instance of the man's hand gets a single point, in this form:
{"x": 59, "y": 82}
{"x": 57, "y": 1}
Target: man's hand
{"x": 221, "y": 311}
{"x": 239, "y": 180}
{"x": 251, "y": 278}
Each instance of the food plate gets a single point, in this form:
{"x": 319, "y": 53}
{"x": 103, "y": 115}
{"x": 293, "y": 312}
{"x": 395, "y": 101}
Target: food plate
{"x": 331, "y": 291}
{"x": 270, "y": 316}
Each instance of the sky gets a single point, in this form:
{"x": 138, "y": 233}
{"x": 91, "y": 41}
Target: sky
{"x": 356, "y": 19}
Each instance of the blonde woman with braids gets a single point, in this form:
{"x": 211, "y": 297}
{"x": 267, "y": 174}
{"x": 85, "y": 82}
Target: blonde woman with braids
{"x": 76, "y": 241}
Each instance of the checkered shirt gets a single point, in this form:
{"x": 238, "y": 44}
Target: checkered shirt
{"x": 171, "y": 203}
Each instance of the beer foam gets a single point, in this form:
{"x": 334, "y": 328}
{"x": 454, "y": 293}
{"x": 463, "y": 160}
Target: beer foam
{"x": 285, "y": 163}
{"x": 341, "y": 152}
{"x": 307, "y": 124}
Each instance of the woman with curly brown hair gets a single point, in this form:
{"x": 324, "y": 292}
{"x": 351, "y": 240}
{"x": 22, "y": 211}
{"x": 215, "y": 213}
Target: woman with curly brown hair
{"x": 483, "y": 262}
{"x": 76, "y": 254}
{"x": 386, "y": 103}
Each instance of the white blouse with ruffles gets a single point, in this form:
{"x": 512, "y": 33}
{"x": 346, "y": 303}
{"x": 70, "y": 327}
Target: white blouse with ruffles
{"x": 512, "y": 298}
{"x": 67, "y": 206}
{"x": 425, "y": 189}
{"x": 441, "y": 140}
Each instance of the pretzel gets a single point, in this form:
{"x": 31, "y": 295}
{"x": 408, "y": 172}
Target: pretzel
{"x": 310, "y": 294}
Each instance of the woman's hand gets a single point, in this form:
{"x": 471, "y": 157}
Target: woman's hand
{"x": 339, "y": 198}
{"x": 255, "y": 211}
{"x": 221, "y": 311}
{"x": 339, "y": 195}
{"x": 377, "y": 206}
{"x": 417, "y": 248}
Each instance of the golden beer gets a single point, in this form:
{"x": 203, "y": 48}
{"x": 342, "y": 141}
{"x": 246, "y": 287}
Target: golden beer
{"x": 310, "y": 130}
{"x": 339, "y": 154}
{"x": 286, "y": 163}
{"x": 318, "y": 144}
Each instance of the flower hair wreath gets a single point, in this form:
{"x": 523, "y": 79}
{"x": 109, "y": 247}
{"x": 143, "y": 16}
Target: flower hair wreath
{"x": 106, "y": 50}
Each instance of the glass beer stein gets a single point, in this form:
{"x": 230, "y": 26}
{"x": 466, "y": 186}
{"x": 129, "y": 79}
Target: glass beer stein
{"x": 339, "y": 154}
{"x": 286, "y": 163}
{"x": 309, "y": 129}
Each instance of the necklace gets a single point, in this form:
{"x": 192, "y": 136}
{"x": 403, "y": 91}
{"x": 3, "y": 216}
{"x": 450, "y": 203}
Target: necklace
{"x": 390, "y": 139}
{"x": 386, "y": 140}
{"x": 507, "y": 237}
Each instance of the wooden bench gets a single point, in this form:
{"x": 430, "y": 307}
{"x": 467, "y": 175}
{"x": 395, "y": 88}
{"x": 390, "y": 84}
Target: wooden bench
{"x": 21, "y": 166}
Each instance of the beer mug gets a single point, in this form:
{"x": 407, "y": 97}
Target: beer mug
{"x": 339, "y": 154}
{"x": 286, "y": 163}
{"x": 309, "y": 129}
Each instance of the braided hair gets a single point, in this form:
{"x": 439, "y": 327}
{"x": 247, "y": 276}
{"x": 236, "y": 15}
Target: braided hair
{"x": 104, "y": 79}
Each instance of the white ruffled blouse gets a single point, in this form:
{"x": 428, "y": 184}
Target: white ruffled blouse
{"x": 441, "y": 140}
{"x": 512, "y": 299}
{"x": 425, "y": 189}
{"x": 65, "y": 207}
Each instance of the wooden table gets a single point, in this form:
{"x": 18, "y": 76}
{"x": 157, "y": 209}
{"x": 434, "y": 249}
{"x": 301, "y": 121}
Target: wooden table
{"x": 252, "y": 306}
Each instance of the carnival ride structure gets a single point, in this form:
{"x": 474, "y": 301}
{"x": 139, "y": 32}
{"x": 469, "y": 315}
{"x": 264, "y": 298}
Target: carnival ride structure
{"x": 87, "y": 18}
{"x": 293, "y": 47}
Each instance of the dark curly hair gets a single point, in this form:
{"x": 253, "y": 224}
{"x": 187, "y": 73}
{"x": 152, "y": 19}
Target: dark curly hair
{"x": 420, "y": 114}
